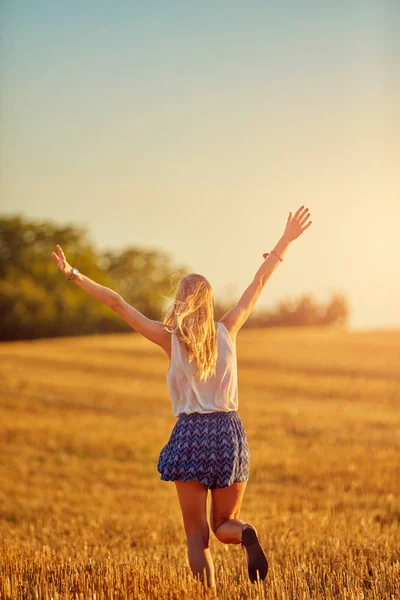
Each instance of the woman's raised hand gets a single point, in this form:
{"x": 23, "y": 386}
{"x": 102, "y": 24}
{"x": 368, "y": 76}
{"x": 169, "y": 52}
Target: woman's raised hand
{"x": 294, "y": 225}
{"x": 62, "y": 261}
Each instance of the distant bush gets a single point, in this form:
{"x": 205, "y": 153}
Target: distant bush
{"x": 36, "y": 300}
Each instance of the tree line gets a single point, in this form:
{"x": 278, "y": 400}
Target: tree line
{"x": 37, "y": 301}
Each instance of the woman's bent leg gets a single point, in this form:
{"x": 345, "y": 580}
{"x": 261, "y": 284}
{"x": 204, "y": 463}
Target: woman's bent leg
{"x": 228, "y": 528}
{"x": 224, "y": 512}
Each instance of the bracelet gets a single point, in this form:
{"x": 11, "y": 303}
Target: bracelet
{"x": 272, "y": 252}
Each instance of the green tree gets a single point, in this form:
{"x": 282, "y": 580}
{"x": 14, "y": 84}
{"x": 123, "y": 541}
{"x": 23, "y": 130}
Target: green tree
{"x": 37, "y": 301}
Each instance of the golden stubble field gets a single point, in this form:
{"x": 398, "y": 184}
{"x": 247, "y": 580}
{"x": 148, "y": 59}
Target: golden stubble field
{"x": 84, "y": 515}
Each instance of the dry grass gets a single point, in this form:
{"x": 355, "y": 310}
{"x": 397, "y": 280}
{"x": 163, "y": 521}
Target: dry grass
{"x": 83, "y": 513}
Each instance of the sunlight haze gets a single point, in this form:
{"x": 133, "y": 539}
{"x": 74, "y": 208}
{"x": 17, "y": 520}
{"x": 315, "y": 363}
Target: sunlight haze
{"x": 195, "y": 128}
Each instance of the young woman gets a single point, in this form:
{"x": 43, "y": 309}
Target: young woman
{"x": 208, "y": 447}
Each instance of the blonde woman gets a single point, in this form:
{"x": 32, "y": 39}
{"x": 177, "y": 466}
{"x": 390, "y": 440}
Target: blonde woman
{"x": 208, "y": 447}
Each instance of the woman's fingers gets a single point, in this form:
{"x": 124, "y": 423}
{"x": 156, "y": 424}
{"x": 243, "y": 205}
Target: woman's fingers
{"x": 302, "y": 214}
{"x": 303, "y": 219}
{"x": 57, "y": 259}
{"x": 61, "y": 254}
{"x": 298, "y": 212}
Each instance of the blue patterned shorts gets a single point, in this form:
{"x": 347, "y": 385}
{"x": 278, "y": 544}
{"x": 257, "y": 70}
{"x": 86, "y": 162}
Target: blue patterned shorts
{"x": 208, "y": 447}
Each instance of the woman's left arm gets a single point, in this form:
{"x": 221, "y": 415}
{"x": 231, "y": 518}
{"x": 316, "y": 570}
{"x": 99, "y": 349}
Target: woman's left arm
{"x": 103, "y": 294}
{"x": 152, "y": 330}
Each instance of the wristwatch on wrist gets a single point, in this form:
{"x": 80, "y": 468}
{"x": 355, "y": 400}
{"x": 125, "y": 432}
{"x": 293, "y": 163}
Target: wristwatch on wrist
{"x": 75, "y": 272}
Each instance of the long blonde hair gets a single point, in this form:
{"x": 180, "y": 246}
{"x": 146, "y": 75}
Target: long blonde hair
{"x": 191, "y": 318}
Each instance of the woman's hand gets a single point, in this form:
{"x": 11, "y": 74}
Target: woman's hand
{"x": 294, "y": 225}
{"x": 62, "y": 261}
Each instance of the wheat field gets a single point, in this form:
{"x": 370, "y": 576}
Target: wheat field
{"x": 84, "y": 514}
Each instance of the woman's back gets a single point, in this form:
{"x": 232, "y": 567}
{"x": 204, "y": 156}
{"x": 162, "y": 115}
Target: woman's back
{"x": 218, "y": 393}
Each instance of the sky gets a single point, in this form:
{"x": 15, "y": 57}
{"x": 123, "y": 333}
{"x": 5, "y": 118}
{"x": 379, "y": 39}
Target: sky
{"x": 196, "y": 127}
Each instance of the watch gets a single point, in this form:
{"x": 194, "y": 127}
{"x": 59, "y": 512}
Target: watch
{"x": 75, "y": 272}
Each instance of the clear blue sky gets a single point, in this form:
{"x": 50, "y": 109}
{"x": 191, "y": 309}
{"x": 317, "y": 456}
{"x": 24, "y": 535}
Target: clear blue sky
{"x": 195, "y": 127}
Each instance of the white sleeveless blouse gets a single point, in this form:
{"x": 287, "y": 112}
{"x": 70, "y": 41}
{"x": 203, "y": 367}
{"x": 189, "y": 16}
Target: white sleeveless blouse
{"x": 217, "y": 393}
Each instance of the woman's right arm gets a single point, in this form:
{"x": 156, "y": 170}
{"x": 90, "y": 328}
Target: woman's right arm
{"x": 235, "y": 318}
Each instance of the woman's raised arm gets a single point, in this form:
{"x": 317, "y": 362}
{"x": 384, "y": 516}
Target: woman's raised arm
{"x": 103, "y": 294}
{"x": 235, "y": 318}
{"x": 149, "y": 328}
{"x": 294, "y": 228}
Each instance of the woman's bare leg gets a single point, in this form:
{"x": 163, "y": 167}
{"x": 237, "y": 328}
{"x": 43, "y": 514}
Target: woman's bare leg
{"x": 228, "y": 528}
{"x": 193, "y": 502}
{"x": 224, "y": 513}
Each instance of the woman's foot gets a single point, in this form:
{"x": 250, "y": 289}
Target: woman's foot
{"x": 256, "y": 559}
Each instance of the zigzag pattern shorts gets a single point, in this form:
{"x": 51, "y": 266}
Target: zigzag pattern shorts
{"x": 210, "y": 448}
